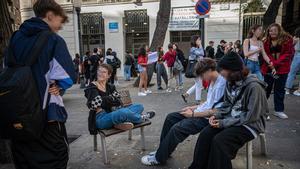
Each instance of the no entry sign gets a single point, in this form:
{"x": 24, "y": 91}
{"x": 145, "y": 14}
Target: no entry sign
{"x": 202, "y": 7}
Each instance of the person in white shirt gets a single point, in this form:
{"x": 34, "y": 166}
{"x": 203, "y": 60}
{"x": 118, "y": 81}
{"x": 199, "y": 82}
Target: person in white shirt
{"x": 190, "y": 120}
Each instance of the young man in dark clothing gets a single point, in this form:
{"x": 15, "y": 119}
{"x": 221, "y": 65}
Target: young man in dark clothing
{"x": 238, "y": 120}
{"x": 210, "y": 51}
{"x": 127, "y": 65}
{"x": 53, "y": 71}
{"x": 94, "y": 63}
{"x": 220, "y": 50}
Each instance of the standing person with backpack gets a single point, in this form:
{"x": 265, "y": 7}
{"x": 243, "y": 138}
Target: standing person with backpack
{"x": 253, "y": 49}
{"x": 86, "y": 67}
{"x": 36, "y": 117}
{"x": 112, "y": 60}
{"x": 117, "y": 65}
{"x": 94, "y": 63}
{"x": 178, "y": 67}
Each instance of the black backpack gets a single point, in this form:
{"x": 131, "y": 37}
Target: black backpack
{"x": 19, "y": 96}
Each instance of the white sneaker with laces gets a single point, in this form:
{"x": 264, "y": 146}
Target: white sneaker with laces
{"x": 297, "y": 93}
{"x": 142, "y": 94}
{"x": 149, "y": 160}
{"x": 281, "y": 115}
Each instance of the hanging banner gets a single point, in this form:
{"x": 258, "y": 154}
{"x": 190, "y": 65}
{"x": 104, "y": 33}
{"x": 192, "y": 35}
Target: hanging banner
{"x": 183, "y": 18}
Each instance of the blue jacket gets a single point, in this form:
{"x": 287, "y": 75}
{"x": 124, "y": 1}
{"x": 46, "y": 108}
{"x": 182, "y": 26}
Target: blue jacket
{"x": 53, "y": 65}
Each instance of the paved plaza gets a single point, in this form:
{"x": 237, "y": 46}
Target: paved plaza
{"x": 283, "y": 136}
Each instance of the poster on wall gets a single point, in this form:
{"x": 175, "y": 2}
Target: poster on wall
{"x": 183, "y": 18}
{"x": 113, "y": 27}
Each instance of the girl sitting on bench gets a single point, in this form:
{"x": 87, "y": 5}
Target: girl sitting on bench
{"x": 106, "y": 107}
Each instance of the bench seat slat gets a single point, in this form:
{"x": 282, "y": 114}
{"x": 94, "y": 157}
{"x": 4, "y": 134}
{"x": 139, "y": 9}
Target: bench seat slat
{"x": 113, "y": 131}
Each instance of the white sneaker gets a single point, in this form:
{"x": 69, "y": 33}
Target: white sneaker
{"x": 149, "y": 160}
{"x": 287, "y": 91}
{"x": 148, "y": 91}
{"x": 142, "y": 94}
{"x": 169, "y": 90}
{"x": 297, "y": 93}
{"x": 180, "y": 87}
{"x": 281, "y": 115}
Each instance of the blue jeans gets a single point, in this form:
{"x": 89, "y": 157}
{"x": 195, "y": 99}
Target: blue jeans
{"x": 295, "y": 67}
{"x": 127, "y": 72}
{"x": 131, "y": 114}
{"x": 179, "y": 79}
{"x": 254, "y": 69}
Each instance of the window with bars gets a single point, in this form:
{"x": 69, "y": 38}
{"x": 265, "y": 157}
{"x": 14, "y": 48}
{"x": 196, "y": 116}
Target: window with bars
{"x": 92, "y": 31}
{"x": 182, "y": 36}
{"x": 136, "y": 29}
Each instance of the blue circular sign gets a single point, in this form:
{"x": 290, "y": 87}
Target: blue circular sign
{"x": 202, "y": 7}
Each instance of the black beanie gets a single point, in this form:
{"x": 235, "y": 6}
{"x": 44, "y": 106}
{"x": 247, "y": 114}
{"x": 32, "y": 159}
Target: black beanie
{"x": 231, "y": 61}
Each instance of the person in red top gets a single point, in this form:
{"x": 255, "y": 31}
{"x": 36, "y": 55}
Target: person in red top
{"x": 278, "y": 46}
{"x": 142, "y": 67}
{"x": 170, "y": 57}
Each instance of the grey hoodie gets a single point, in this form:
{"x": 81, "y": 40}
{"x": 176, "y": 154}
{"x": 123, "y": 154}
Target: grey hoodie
{"x": 249, "y": 110}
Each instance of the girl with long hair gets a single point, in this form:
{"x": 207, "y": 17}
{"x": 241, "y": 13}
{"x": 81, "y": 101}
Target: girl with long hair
{"x": 142, "y": 67}
{"x": 278, "y": 46}
{"x": 253, "y": 49}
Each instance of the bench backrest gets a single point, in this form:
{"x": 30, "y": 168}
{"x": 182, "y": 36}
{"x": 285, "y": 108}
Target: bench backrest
{"x": 125, "y": 97}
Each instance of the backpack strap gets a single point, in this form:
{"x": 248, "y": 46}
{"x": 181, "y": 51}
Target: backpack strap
{"x": 38, "y": 46}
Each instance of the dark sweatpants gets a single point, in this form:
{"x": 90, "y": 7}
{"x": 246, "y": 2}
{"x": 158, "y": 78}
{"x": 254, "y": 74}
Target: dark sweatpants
{"x": 216, "y": 148}
{"x": 175, "y": 130}
{"x": 51, "y": 151}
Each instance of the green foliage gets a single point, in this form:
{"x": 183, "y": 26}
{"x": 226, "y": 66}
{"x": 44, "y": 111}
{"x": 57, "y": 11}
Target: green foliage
{"x": 254, "y": 6}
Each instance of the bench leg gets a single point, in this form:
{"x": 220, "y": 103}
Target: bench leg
{"x": 95, "y": 143}
{"x": 263, "y": 146}
{"x": 104, "y": 150}
{"x": 249, "y": 155}
{"x": 143, "y": 139}
{"x": 130, "y": 135}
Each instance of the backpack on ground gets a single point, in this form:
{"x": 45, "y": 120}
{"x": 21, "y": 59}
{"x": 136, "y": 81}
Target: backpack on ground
{"x": 19, "y": 96}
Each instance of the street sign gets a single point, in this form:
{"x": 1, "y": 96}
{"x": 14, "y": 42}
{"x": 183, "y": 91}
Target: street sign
{"x": 202, "y": 7}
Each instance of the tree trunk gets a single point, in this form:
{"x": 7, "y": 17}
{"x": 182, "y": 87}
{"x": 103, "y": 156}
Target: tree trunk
{"x": 162, "y": 22}
{"x": 5, "y": 33}
{"x": 271, "y": 13}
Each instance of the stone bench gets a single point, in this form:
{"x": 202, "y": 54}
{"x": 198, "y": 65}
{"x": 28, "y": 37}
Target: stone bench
{"x": 126, "y": 99}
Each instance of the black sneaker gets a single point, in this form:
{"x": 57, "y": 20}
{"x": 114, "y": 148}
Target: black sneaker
{"x": 184, "y": 97}
{"x": 160, "y": 88}
{"x": 148, "y": 115}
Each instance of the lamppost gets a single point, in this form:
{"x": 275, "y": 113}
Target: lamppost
{"x": 77, "y": 6}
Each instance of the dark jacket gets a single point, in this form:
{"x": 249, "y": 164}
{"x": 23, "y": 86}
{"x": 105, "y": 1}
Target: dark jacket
{"x": 249, "y": 109}
{"x": 98, "y": 99}
{"x": 54, "y": 62}
{"x": 210, "y": 52}
{"x": 220, "y": 52}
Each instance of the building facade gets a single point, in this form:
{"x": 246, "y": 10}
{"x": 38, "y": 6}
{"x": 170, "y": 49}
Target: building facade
{"x": 124, "y": 26}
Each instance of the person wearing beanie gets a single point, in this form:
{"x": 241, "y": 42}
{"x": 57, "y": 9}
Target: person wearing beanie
{"x": 238, "y": 120}
{"x": 231, "y": 61}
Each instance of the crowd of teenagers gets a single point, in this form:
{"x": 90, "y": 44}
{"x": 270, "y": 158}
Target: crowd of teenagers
{"x": 240, "y": 78}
